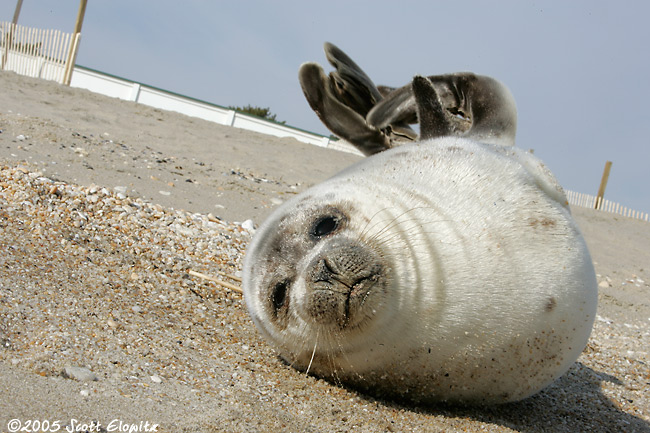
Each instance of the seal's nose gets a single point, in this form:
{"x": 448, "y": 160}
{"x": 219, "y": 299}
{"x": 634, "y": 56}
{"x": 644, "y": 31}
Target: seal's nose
{"x": 343, "y": 267}
{"x": 340, "y": 280}
{"x": 326, "y": 273}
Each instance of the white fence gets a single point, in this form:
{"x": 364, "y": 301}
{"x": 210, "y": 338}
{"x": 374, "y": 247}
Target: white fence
{"x": 117, "y": 87}
{"x": 35, "y": 52}
{"x": 44, "y": 54}
{"x": 593, "y": 202}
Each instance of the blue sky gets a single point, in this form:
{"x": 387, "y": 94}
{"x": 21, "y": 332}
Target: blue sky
{"x": 579, "y": 70}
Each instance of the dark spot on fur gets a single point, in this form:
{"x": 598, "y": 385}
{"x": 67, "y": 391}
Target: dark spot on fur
{"x": 551, "y": 304}
{"x": 454, "y": 149}
{"x": 544, "y": 222}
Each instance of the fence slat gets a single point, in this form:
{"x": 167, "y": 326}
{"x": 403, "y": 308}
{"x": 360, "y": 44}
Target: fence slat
{"x": 603, "y": 205}
{"x": 38, "y": 53}
{"x": 58, "y": 38}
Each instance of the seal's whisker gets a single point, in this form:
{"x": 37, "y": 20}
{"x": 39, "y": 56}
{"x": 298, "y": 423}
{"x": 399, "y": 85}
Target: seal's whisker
{"x": 394, "y": 221}
{"x": 368, "y": 227}
{"x": 411, "y": 233}
{"x": 397, "y": 241}
{"x": 334, "y": 375}
{"x": 291, "y": 363}
{"x": 343, "y": 353}
{"x": 388, "y": 223}
{"x": 313, "y": 353}
{"x": 398, "y": 220}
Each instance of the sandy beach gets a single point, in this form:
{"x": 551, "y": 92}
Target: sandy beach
{"x": 108, "y": 210}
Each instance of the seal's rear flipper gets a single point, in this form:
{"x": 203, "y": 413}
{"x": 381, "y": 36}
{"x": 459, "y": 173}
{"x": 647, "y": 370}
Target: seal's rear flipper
{"x": 396, "y": 111}
{"x": 350, "y": 84}
{"x": 343, "y": 100}
{"x": 339, "y": 118}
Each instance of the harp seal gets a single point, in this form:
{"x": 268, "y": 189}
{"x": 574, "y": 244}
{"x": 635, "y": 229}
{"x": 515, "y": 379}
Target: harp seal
{"x": 449, "y": 269}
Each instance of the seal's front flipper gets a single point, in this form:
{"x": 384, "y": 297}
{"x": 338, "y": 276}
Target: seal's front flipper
{"x": 418, "y": 102}
{"x": 461, "y": 104}
{"x": 339, "y": 118}
{"x": 477, "y": 107}
{"x": 431, "y": 114}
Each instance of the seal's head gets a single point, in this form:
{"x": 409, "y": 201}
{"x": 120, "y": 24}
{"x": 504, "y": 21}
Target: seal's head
{"x": 315, "y": 274}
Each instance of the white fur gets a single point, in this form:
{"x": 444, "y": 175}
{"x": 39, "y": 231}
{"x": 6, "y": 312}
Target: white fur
{"x": 492, "y": 293}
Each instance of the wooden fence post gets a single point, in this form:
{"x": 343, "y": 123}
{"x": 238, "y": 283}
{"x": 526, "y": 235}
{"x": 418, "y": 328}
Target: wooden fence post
{"x": 10, "y": 35}
{"x": 74, "y": 46}
{"x": 7, "y": 40}
{"x": 603, "y": 184}
{"x": 19, "y": 5}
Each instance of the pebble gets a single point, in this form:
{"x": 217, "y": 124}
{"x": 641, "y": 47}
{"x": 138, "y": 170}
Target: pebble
{"x": 248, "y": 225}
{"x": 80, "y": 151}
{"x": 156, "y": 379}
{"x": 81, "y": 374}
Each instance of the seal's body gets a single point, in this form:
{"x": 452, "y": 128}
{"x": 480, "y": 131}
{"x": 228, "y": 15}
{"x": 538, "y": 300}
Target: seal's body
{"x": 449, "y": 269}
{"x": 445, "y": 270}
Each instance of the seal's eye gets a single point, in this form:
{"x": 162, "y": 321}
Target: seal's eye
{"x": 324, "y": 226}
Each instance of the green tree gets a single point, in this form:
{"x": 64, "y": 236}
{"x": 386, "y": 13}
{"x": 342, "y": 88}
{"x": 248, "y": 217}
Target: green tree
{"x": 264, "y": 113}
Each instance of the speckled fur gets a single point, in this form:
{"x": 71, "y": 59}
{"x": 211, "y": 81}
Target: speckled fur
{"x": 487, "y": 292}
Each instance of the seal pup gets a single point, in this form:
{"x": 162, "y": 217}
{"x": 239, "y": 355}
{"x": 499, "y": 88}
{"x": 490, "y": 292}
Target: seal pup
{"x": 446, "y": 270}
{"x": 374, "y": 119}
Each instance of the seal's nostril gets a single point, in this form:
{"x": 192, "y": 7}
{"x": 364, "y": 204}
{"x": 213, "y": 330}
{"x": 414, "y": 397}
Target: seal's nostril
{"x": 327, "y": 266}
